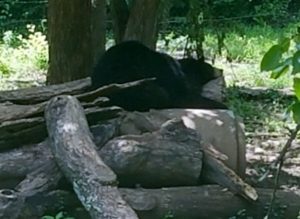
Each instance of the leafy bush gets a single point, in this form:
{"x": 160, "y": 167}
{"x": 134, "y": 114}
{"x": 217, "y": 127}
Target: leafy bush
{"x": 18, "y": 52}
{"x": 37, "y": 47}
{"x": 60, "y": 215}
{"x": 23, "y": 58}
{"x": 4, "y": 69}
{"x": 284, "y": 58}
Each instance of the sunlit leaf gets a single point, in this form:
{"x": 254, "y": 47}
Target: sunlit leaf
{"x": 296, "y": 39}
{"x": 296, "y": 62}
{"x": 296, "y": 112}
{"x": 285, "y": 44}
{"x": 271, "y": 59}
{"x": 297, "y": 87}
{"x": 281, "y": 70}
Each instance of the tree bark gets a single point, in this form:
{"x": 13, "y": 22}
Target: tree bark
{"x": 72, "y": 146}
{"x": 172, "y": 146}
{"x": 142, "y": 22}
{"x": 120, "y": 15}
{"x": 205, "y": 202}
{"x": 35, "y": 95}
{"x": 70, "y": 42}
{"x": 98, "y": 31}
{"x": 23, "y": 124}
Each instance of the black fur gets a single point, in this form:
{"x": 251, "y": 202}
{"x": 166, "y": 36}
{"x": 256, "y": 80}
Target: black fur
{"x": 131, "y": 60}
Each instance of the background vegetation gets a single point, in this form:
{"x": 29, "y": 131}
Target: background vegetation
{"x": 237, "y": 33}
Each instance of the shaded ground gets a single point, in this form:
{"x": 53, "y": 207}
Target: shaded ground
{"x": 262, "y": 150}
{"x": 265, "y": 122}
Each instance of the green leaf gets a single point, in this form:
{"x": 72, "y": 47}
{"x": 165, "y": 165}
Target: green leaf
{"x": 297, "y": 87}
{"x": 296, "y": 38}
{"x": 281, "y": 70}
{"x": 48, "y": 217}
{"x": 271, "y": 59}
{"x": 296, "y": 63}
{"x": 296, "y": 112}
{"x": 285, "y": 44}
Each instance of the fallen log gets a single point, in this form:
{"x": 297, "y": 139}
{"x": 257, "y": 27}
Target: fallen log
{"x": 9, "y": 111}
{"x": 80, "y": 88}
{"x": 205, "y": 202}
{"x": 176, "y": 150}
{"x": 14, "y": 115}
{"x": 23, "y": 132}
{"x": 38, "y": 182}
{"x": 40, "y": 94}
{"x": 72, "y": 146}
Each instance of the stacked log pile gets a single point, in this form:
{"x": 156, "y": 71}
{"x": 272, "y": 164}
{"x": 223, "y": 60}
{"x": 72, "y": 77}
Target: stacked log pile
{"x": 58, "y": 152}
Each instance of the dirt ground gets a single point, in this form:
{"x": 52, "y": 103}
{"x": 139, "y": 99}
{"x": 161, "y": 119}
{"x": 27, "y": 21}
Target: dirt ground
{"x": 262, "y": 150}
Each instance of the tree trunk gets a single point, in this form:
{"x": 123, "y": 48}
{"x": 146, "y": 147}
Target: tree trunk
{"x": 70, "y": 44}
{"x": 120, "y": 15}
{"x": 142, "y": 22}
{"x": 98, "y": 29}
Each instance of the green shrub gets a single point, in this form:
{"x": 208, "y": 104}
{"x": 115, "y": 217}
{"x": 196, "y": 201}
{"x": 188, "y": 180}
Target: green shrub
{"x": 60, "y": 215}
{"x": 4, "y": 69}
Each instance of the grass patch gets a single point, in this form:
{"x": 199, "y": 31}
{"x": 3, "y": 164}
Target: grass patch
{"x": 265, "y": 113}
{"x": 23, "y": 59}
{"x": 249, "y": 75}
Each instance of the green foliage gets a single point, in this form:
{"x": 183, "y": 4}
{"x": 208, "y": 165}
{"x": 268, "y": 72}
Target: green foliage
{"x": 281, "y": 59}
{"x": 169, "y": 215}
{"x": 4, "y": 69}
{"x": 253, "y": 111}
{"x": 15, "y": 13}
{"x": 22, "y": 56}
{"x": 243, "y": 42}
{"x": 271, "y": 58}
{"x": 11, "y": 39}
{"x": 279, "y": 11}
{"x": 60, "y": 215}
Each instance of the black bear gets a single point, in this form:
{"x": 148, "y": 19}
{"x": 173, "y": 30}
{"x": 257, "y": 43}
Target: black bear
{"x": 131, "y": 60}
{"x": 197, "y": 74}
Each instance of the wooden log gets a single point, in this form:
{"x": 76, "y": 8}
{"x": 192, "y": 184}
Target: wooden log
{"x": 18, "y": 163}
{"x": 41, "y": 94}
{"x": 72, "y": 146}
{"x": 177, "y": 152}
{"x": 205, "y": 202}
{"x": 49, "y": 203}
{"x": 14, "y": 114}
{"x": 9, "y": 111}
{"x": 21, "y": 202}
{"x": 33, "y": 130}
{"x": 21, "y": 132}
{"x": 174, "y": 149}
{"x": 10, "y": 204}
{"x": 43, "y": 179}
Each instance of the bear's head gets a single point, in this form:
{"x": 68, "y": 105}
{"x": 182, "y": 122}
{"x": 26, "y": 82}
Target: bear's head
{"x": 199, "y": 72}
